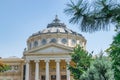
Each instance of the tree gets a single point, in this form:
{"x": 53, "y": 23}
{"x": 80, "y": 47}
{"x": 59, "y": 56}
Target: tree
{"x": 94, "y": 15}
{"x": 98, "y": 15}
{"x": 114, "y": 53}
{"x": 81, "y": 60}
{"x": 1, "y": 64}
{"x": 4, "y": 67}
{"x": 100, "y": 69}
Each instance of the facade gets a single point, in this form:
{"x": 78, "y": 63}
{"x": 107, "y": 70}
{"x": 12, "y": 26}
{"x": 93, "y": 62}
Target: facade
{"x": 16, "y": 72}
{"x": 48, "y": 53}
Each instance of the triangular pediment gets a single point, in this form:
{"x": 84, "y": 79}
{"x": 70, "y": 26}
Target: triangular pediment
{"x": 51, "y": 49}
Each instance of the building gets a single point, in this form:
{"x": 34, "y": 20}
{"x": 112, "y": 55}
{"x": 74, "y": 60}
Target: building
{"x": 46, "y": 56}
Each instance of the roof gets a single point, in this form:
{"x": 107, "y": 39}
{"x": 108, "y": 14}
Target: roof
{"x": 56, "y": 27}
{"x": 12, "y": 58}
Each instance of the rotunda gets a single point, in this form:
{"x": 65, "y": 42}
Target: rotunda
{"x": 56, "y": 33}
{"x": 48, "y": 52}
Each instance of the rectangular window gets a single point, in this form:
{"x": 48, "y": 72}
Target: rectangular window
{"x": 63, "y": 77}
{"x": 53, "y": 77}
{"x": 42, "y": 77}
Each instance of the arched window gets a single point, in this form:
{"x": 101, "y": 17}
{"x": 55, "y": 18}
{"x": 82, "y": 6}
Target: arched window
{"x": 30, "y": 45}
{"x": 16, "y": 67}
{"x": 53, "y": 40}
{"x": 73, "y": 41}
{"x": 44, "y": 41}
{"x": 36, "y": 43}
{"x": 64, "y": 40}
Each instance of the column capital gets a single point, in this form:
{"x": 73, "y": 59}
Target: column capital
{"x": 57, "y": 60}
{"x": 37, "y": 61}
{"x": 68, "y": 60}
{"x": 47, "y": 60}
{"x": 27, "y": 61}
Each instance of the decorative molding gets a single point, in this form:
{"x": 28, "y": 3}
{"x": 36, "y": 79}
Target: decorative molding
{"x": 68, "y": 60}
{"x": 47, "y": 60}
{"x": 27, "y": 61}
{"x": 36, "y": 60}
{"x": 49, "y": 45}
{"x": 50, "y": 57}
{"x": 57, "y": 60}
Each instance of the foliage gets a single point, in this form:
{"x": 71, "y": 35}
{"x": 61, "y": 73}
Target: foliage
{"x": 4, "y": 67}
{"x": 81, "y": 59}
{"x": 1, "y": 64}
{"x": 94, "y": 15}
{"x": 100, "y": 69}
{"x": 114, "y": 53}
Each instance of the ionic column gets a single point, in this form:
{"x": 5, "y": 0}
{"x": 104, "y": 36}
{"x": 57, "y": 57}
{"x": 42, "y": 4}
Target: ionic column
{"x": 36, "y": 69}
{"x": 27, "y": 70}
{"x": 47, "y": 69}
{"x": 68, "y": 71}
{"x": 57, "y": 69}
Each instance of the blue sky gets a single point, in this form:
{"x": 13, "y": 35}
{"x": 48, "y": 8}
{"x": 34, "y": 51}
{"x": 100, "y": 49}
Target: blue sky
{"x": 21, "y": 18}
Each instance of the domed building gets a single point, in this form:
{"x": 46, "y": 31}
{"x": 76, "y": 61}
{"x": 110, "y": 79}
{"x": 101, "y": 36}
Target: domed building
{"x": 48, "y": 52}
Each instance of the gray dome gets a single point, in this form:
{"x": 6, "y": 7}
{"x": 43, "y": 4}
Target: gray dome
{"x": 56, "y": 27}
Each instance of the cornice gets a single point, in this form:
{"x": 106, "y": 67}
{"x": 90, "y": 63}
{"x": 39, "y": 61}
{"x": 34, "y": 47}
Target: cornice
{"x": 47, "y": 46}
{"x": 55, "y": 35}
{"x": 48, "y": 57}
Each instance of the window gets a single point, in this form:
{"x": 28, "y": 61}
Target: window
{"x": 44, "y": 41}
{"x": 43, "y": 77}
{"x": 53, "y": 40}
{"x": 30, "y": 45}
{"x": 10, "y": 67}
{"x": 64, "y": 41}
{"x": 73, "y": 41}
{"x": 16, "y": 67}
{"x": 63, "y": 77}
{"x": 53, "y": 77}
{"x": 36, "y": 43}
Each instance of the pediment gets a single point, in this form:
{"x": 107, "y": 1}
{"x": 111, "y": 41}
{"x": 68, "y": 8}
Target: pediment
{"x": 51, "y": 49}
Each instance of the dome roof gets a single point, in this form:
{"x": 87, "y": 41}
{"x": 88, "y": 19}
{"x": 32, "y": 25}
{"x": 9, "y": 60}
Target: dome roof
{"x": 56, "y": 27}
{"x": 57, "y": 33}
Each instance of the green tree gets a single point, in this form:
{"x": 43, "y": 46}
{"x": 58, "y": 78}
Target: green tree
{"x": 100, "y": 69}
{"x": 94, "y": 15}
{"x": 81, "y": 60}
{"x": 4, "y": 67}
{"x": 114, "y": 53}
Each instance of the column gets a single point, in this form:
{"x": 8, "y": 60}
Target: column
{"x": 36, "y": 69}
{"x": 27, "y": 70}
{"x": 68, "y": 71}
{"x": 57, "y": 69}
{"x": 47, "y": 69}
{"x": 22, "y": 71}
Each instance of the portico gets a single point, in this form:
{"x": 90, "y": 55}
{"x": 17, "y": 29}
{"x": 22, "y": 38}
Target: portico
{"x": 47, "y": 69}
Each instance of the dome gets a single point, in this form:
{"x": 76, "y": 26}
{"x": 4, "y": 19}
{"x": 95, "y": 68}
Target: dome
{"x": 56, "y": 27}
{"x": 57, "y": 33}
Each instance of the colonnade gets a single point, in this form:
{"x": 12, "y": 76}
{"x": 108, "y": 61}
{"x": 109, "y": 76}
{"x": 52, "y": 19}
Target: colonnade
{"x": 47, "y": 69}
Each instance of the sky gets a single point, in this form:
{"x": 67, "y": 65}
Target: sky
{"x": 19, "y": 19}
